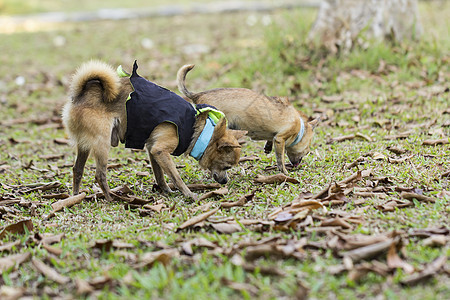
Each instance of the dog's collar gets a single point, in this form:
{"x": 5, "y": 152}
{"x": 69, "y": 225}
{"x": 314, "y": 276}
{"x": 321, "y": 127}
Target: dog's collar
{"x": 203, "y": 140}
{"x": 300, "y": 134}
{"x": 214, "y": 114}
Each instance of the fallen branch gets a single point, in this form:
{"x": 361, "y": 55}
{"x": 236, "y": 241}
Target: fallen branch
{"x": 68, "y": 202}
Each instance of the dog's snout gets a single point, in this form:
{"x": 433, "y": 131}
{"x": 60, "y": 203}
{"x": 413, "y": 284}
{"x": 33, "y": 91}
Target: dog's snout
{"x": 296, "y": 162}
{"x": 220, "y": 179}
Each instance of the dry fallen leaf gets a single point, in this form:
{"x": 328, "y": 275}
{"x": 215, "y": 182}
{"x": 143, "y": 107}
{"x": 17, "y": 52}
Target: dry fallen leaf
{"x": 220, "y": 192}
{"x": 364, "y": 136}
{"x": 9, "y": 246}
{"x": 354, "y": 241}
{"x": 394, "y": 261}
{"x": 400, "y": 160}
{"x": 11, "y": 293}
{"x": 11, "y": 261}
{"x": 419, "y": 197}
{"x": 396, "y": 150}
{"x": 118, "y": 191}
{"x": 197, "y": 219}
{"x": 239, "y": 286}
{"x": 341, "y": 138}
{"x": 60, "y": 141}
{"x": 378, "y": 156}
{"x": 359, "y": 271}
{"x": 50, "y": 239}
{"x": 17, "y": 228}
{"x": 49, "y": 272}
{"x": 150, "y": 258}
{"x": 370, "y": 251}
{"x": 430, "y": 270}
{"x": 56, "y": 196}
{"x": 157, "y": 207}
{"x": 53, "y": 250}
{"x": 277, "y": 178}
{"x": 241, "y": 202}
{"x": 41, "y": 186}
{"x": 143, "y": 174}
{"x": 227, "y": 228}
{"x": 100, "y": 282}
{"x": 199, "y": 186}
{"x": 402, "y": 135}
{"x": 436, "y": 142}
{"x": 393, "y": 204}
{"x": 435, "y": 240}
{"x": 336, "y": 222}
{"x": 103, "y": 245}
{"x": 332, "y": 98}
{"x": 83, "y": 287}
{"x": 427, "y": 232}
{"x": 249, "y": 158}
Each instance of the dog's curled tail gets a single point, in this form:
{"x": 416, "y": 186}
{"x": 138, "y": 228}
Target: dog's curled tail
{"x": 181, "y": 78}
{"x": 95, "y": 70}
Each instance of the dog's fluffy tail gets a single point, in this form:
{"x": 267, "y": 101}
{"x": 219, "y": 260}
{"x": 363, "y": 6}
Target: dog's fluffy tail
{"x": 95, "y": 70}
{"x": 181, "y": 78}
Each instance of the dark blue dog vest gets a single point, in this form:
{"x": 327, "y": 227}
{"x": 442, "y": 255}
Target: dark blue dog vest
{"x": 151, "y": 105}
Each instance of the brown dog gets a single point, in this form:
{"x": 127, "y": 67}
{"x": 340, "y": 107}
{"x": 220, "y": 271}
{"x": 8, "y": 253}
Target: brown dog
{"x": 96, "y": 117}
{"x": 265, "y": 118}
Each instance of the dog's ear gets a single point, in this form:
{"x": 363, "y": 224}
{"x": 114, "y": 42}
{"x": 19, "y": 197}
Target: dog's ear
{"x": 220, "y": 129}
{"x": 238, "y": 134}
{"x": 314, "y": 123}
{"x": 226, "y": 145}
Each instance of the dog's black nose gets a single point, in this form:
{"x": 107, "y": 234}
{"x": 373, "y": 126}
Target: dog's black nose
{"x": 221, "y": 180}
{"x": 295, "y": 164}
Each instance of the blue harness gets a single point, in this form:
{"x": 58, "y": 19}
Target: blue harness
{"x": 300, "y": 134}
{"x": 203, "y": 140}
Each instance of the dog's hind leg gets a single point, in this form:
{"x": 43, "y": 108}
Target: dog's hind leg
{"x": 159, "y": 175}
{"x": 101, "y": 160}
{"x": 268, "y": 147}
{"x": 78, "y": 169}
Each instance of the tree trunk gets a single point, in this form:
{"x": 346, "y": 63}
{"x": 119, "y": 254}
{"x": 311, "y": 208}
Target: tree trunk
{"x": 341, "y": 24}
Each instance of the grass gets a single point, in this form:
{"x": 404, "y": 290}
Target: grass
{"x": 238, "y": 55}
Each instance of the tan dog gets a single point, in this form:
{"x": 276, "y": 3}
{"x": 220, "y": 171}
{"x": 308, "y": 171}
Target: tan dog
{"x": 96, "y": 117}
{"x": 265, "y": 118}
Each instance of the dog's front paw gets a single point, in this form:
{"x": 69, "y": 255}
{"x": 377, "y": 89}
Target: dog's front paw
{"x": 163, "y": 189}
{"x": 167, "y": 190}
{"x": 282, "y": 169}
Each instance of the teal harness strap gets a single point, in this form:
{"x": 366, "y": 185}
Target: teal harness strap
{"x": 122, "y": 73}
{"x": 203, "y": 140}
{"x": 300, "y": 134}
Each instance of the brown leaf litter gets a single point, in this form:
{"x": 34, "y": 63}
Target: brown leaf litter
{"x": 277, "y": 178}
{"x": 197, "y": 219}
{"x": 49, "y": 272}
{"x": 17, "y": 228}
{"x": 219, "y": 192}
